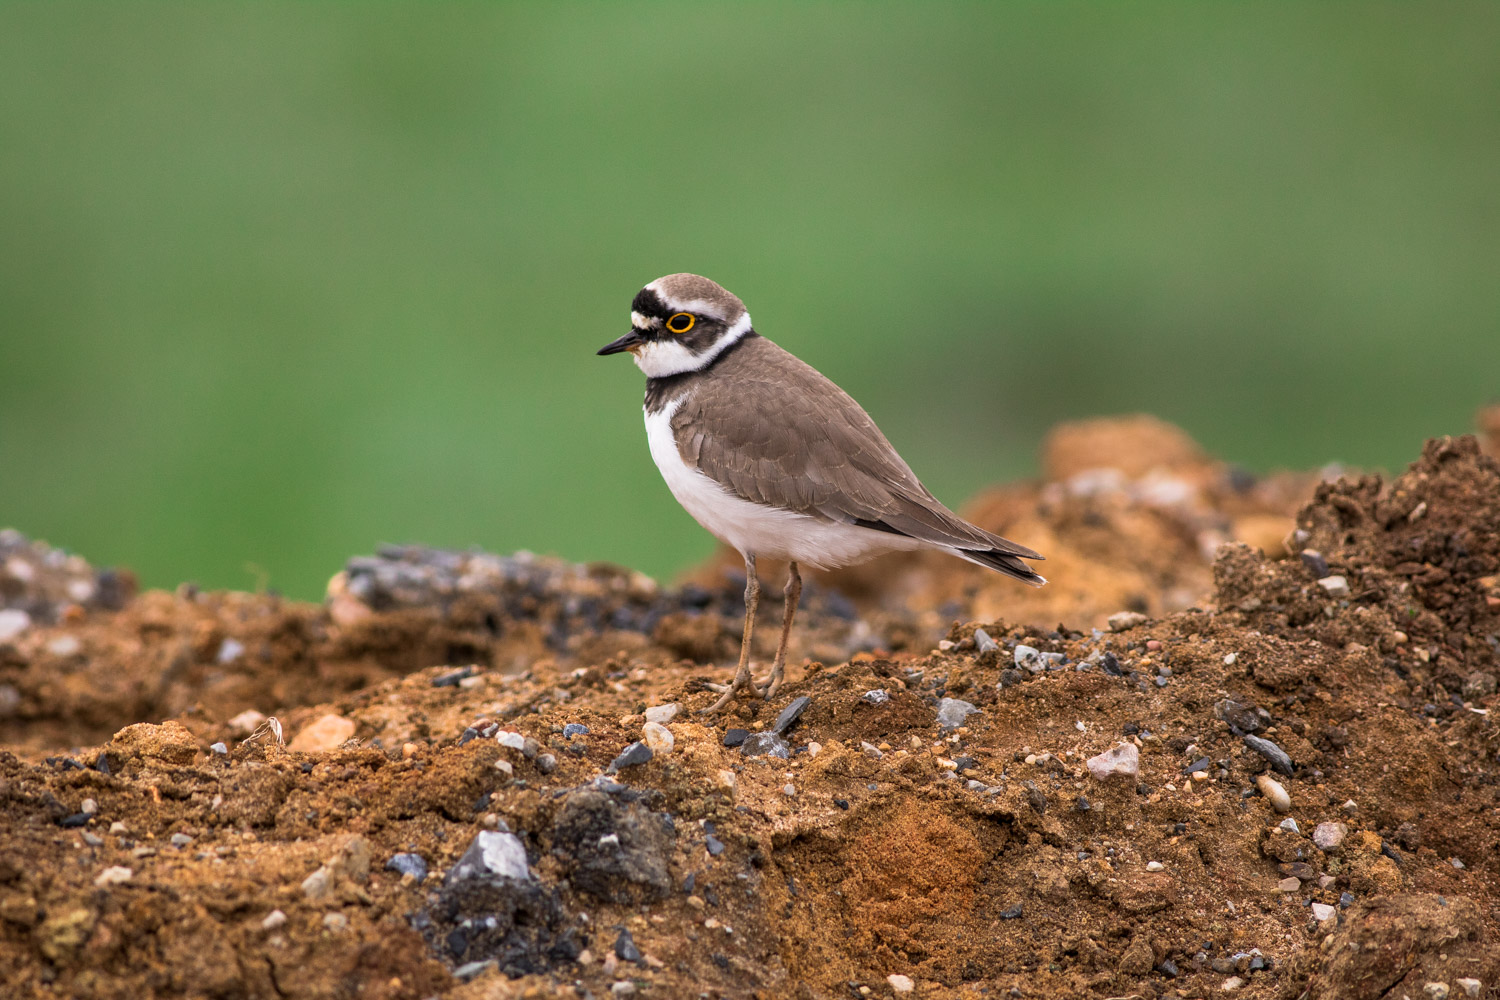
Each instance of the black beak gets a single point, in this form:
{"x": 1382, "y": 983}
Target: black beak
{"x": 625, "y": 343}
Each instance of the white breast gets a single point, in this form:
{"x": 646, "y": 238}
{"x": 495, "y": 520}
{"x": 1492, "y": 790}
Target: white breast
{"x": 755, "y": 529}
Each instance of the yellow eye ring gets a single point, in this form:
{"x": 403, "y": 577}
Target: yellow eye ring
{"x": 685, "y": 319}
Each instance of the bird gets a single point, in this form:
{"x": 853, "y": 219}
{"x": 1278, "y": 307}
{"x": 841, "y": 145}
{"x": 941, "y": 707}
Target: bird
{"x": 775, "y": 460}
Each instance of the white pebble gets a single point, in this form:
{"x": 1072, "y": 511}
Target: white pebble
{"x": 1027, "y": 656}
{"x": 113, "y": 875}
{"x": 658, "y": 737}
{"x": 13, "y": 622}
{"x": 1288, "y": 884}
{"x": 1154, "y": 866}
{"x": 1122, "y": 758}
{"x": 813, "y": 749}
{"x": 64, "y": 645}
{"x": 788, "y": 789}
{"x": 1328, "y": 836}
{"x": 901, "y": 984}
{"x": 1471, "y": 987}
{"x": 273, "y": 920}
{"x": 335, "y": 922}
{"x": 663, "y": 713}
{"x": 1229, "y": 659}
{"x": 1336, "y": 586}
{"x": 1231, "y": 984}
{"x": 88, "y": 806}
{"x": 1436, "y": 991}
{"x": 1322, "y": 911}
{"x": 508, "y": 739}
{"x": 1274, "y": 793}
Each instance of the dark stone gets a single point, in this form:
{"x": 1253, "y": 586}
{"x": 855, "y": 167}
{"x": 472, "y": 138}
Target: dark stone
{"x": 983, "y": 643}
{"x": 790, "y": 715}
{"x": 467, "y": 735}
{"x": 573, "y": 729}
{"x": 714, "y": 844}
{"x": 1081, "y": 804}
{"x": 612, "y": 849}
{"x": 75, "y": 820}
{"x": 841, "y": 803}
{"x": 1271, "y": 752}
{"x": 689, "y": 882}
{"x": 1013, "y": 913}
{"x": 1169, "y": 968}
{"x": 634, "y": 755}
{"x": 452, "y": 678}
{"x": 1201, "y": 764}
{"x": 964, "y": 763}
{"x": 735, "y": 737}
{"x": 1315, "y": 562}
{"x": 1242, "y": 718}
{"x": 1408, "y": 836}
{"x": 1131, "y": 728}
{"x": 625, "y": 949}
{"x": 1010, "y": 677}
{"x": 408, "y": 864}
{"x": 1110, "y": 664}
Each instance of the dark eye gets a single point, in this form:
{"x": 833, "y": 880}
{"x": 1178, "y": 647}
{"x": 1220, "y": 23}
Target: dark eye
{"x": 681, "y": 322}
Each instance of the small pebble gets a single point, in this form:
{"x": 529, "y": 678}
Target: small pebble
{"x": 573, "y": 729}
{"x": 658, "y": 737}
{"x": 788, "y": 789}
{"x": 952, "y": 712}
{"x": 1471, "y": 987}
{"x": 408, "y": 864}
{"x": 1289, "y": 825}
{"x": 1027, "y": 658}
{"x": 1122, "y": 759}
{"x": 1289, "y": 884}
{"x": 1322, "y": 911}
{"x": 546, "y": 763}
{"x": 713, "y": 845}
{"x": 663, "y": 714}
{"x": 1336, "y": 586}
{"x": 181, "y": 840}
{"x": 335, "y": 922}
{"x": 789, "y": 715}
{"x": 900, "y": 983}
{"x": 735, "y": 737}
{"x": 626, "y": 950}
{"x": 1231, "y": 984}
{"x": 765, "y": 744}
{"x": 1435, "y": 991}
{"x": 1123, "y": 621}
{"x": 632, "y": 756}
{"x": 88, "y": 806}
{"x": 219, "y": 748}
{"x": 273, "y": 920}
{"x": 1274, "y": 793}
{"x": 1154, "y": 866}
{"x": 877, "y": 697}
{"x": 1271, "y": 752}
{"x": 983, "y": 643}
{"x": 1328, "y": 836}
{"x": 515, "y": 741}
{"x": 113, "y": 875}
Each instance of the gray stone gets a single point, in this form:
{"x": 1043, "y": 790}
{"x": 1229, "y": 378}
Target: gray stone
{"x": 790, "y": 715}
{"x": 1271, "y": 752}
{"x": 634, "y": 755}
{"x": 1123, "y": 621}
{"x": 408, "y": 864}
{"x": 983, "y": 643}
{"x": 877, "y": 697}
{"x": 614, "y": 849}
{"x": 492, "y": 852}
{"x": 952, "y": 712}
{"x": 765, "y": 744}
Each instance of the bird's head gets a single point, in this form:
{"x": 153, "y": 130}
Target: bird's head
{"x": 680, "y": 323}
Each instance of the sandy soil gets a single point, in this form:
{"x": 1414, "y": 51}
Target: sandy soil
{"x": 1303, "y": 684}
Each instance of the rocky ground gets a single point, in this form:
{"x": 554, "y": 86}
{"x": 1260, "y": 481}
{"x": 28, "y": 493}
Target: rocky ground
{"x": 1243, "y": 743}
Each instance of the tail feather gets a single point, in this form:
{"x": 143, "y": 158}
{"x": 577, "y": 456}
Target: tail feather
{"x": 1002, "y": 562}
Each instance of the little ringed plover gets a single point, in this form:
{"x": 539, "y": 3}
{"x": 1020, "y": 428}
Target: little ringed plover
{"x": 774, "y": 459}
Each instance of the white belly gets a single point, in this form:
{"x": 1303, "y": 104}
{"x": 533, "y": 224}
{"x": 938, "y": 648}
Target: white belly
{"x": 753, "y": 528}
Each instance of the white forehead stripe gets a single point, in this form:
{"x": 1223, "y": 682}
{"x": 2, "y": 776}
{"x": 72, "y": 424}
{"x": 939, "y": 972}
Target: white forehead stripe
{"x": 643, "y": 322}
{"x": 660, "y": 358}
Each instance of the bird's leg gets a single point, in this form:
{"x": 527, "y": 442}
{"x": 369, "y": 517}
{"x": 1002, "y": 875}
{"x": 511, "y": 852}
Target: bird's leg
{"x": 791, "y": 595}
{"x": 742, "y": 675}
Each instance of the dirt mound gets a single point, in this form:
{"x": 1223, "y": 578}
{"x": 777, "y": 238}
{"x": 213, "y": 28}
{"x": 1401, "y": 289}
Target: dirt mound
{"x": 500, "y": 787}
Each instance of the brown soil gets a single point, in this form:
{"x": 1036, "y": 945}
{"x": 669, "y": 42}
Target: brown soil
{"x": 1353, "y": 624}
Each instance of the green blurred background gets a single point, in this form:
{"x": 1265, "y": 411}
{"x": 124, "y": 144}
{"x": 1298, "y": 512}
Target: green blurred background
{"x": 282, "y": 281}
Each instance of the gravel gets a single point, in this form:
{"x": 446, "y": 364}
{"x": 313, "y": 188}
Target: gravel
{"x": 789, "y": 715}
{"x": 1122, "y": 759}
{"x": 1274, "y": 793}
{"x": 765, "y": 744}
{"x": 408, "y": 864}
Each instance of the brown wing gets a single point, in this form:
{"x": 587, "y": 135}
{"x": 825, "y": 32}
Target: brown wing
{"x": 786, "y": 436}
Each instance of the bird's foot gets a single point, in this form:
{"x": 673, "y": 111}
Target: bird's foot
{"x": 727, "y": 692}
{"x": 767, "y": 688}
